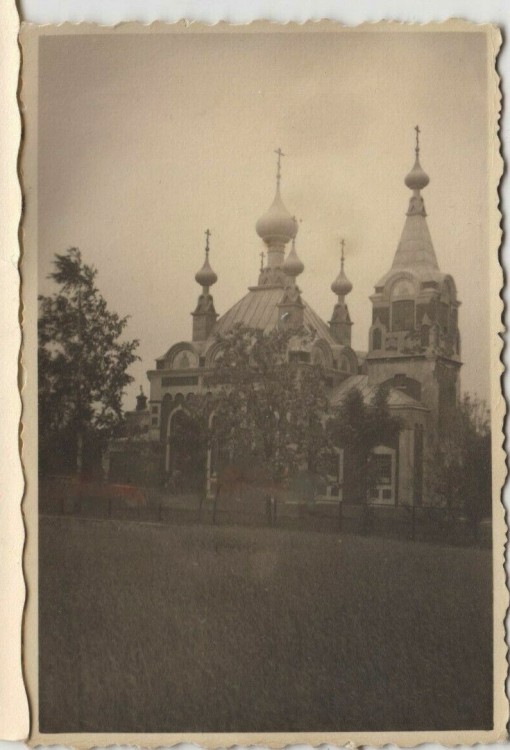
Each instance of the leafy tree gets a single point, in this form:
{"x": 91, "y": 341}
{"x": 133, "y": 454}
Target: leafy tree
{"x": 358, "y": 428}
{"x": 83, "y": 362}
{"x": 268, "y": 402}
{"x": 460, "y": 476}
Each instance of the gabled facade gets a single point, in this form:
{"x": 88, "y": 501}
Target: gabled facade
{"x": 413, "y": 342}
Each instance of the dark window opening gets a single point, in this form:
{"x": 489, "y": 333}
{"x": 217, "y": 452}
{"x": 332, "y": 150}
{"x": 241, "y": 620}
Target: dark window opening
{"x": 376, "y": 339}
{"x": 383, "y": 469}
{"x": 443, "y": 315}
{"x": 299, "y": 356}
{"x": 402, "y": 315}
{"x": 179, "y": 380}
{"x": 425, "y": 335}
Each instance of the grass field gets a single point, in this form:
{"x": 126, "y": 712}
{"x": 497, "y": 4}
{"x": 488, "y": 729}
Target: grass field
{"x": 195, "y": 628}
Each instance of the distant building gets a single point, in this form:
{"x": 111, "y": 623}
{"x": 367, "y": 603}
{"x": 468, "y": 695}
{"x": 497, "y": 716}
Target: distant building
{"x": 413, "y": 347}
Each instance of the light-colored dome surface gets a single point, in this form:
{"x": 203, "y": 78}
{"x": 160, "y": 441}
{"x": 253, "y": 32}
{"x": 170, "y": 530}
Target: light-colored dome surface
{"x": 276, "y": 225}
{"x": 206, "y": 275}
{"x": 292, "y": 265}
{"x": 417, "y": 179}
{"x": 341, "y": 284}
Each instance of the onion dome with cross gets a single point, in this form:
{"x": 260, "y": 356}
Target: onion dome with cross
{"x": 341, "y": 285}
{"x": 417, "y": 179}
{"x": 277, "y": 226}
{"x": 206, "y": 277}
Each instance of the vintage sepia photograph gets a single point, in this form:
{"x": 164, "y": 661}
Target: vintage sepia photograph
{"x": 262, "y": 413}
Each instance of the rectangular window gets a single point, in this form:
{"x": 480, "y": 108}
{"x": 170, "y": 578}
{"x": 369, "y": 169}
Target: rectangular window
{"x": 154, "y": 421}
{"x": 383, "y": 468}
{"x": 179, "y": 380}
{"x": 299, "y": 356}
{"x": 402, "y": 315}
{"x": 154, "y": 410}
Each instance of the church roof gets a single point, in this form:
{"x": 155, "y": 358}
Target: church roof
{"x": 415, "y": 249}
{"x": 396, "y": 397}
{"x": 259, "y": 309}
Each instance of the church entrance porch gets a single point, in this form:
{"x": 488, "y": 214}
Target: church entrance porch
{"x": 185, "y": 460}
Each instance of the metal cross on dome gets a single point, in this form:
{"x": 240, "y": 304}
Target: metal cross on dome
{"x": 207, "y": 235}
{"x": 418, "y": 131}
{"x": 279, "y": 165}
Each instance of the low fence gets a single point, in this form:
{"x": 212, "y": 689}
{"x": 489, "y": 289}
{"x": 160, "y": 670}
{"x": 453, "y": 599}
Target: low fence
{"x": 65, "y": 496}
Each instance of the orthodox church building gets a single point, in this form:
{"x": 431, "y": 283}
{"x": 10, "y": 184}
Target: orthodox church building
{"x": 413, "y": 348}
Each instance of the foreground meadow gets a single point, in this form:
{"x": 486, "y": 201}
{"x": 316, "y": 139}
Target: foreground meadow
{"x": 174, "y": 628}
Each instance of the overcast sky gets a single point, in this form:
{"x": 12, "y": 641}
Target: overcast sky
{"x": 146, "y": 141}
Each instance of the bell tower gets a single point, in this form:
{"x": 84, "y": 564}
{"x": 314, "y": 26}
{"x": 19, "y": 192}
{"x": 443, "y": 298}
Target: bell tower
{"x": 414, "y": 340}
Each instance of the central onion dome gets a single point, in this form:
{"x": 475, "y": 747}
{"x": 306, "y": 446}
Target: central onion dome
{"x": 277, "y": 226}
{"x": 341, "y": 285}
{"x": 206, "y": 277}
{"x": 417, "y": 179}
{"x": 292, "y": 265}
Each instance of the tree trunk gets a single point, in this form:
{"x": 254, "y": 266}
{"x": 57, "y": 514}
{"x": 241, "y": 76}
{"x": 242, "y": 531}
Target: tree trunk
{"x": 79, "y": 454}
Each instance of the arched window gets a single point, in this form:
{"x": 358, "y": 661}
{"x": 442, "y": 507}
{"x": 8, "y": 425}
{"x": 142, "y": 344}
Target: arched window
{"x": 344, "y": 364}
{"x": 183, "y": 362}
{"x": 376, "y": 339}
{"x": 445, "y": 316}
{"x": 402, "y": 306}
{"x": 317, "y": 357}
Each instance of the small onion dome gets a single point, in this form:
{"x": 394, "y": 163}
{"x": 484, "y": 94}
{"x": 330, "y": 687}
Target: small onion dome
{"x": 292, "y": 265}
{"x": 206, "y": 276}
{"x": 417, "y": 179}
{"x": 276, "y": 225}
{"x": 341, "y": 285}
